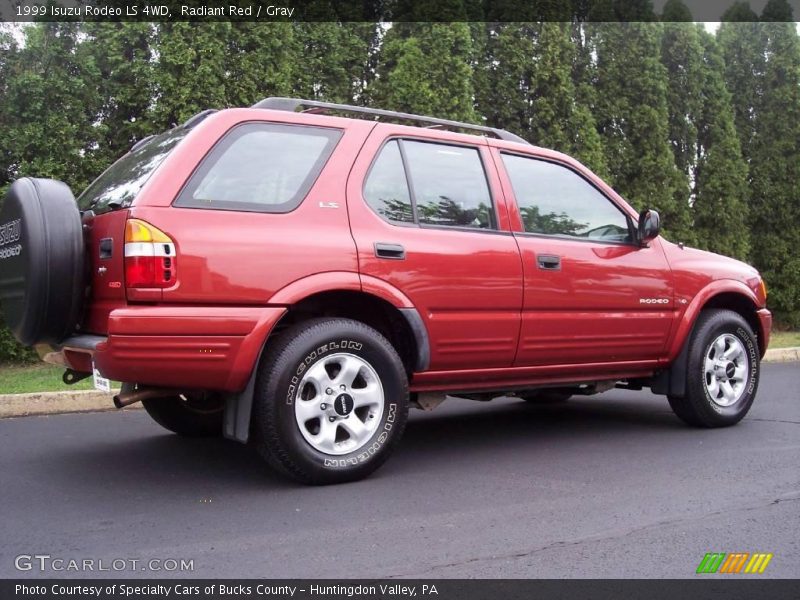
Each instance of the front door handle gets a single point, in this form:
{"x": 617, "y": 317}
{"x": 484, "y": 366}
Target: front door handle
{"x": 549, "y": 262}
{"x": 390, "y": 251}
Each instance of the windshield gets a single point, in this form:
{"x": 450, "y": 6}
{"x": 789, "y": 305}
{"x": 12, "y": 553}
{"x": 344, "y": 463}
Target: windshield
{"x": 119, "y": 184}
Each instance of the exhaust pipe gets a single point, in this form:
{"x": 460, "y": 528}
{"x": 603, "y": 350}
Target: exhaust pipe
{"x": 130, "y": 395}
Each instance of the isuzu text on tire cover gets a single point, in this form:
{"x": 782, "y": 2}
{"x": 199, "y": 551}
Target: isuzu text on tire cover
{"x": 300, "y": 279}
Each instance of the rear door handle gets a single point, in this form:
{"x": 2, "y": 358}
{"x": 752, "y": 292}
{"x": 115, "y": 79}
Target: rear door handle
{"x": 549, "y": 262}
{"x": 390, "y": 251}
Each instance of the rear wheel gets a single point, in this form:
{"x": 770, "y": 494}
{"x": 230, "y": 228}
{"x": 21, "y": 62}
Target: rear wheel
{"x": 723, "y": 371}
{"x": 197, "y": 414}
{"x": 331, "y": 401}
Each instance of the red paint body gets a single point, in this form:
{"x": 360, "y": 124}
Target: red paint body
{"x": 492, "y": 317}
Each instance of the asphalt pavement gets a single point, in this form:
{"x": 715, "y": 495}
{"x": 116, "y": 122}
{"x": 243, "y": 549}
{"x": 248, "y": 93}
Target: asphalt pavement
{"x": 604, "y": 486}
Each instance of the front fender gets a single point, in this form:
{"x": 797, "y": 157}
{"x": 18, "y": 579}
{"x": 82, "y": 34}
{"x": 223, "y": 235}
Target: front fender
{"x": 687, "y": 320}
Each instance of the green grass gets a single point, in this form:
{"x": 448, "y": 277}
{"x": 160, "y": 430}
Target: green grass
{"x": 41, "y": 377}
{"x": 784, "y": 339}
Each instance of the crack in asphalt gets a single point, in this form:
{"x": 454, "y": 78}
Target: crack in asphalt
{"x": 791, "y": 497}
{"x": 776, "y": 421}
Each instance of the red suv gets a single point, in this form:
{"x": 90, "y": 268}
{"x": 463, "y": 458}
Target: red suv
{"x": 299, "y": 279}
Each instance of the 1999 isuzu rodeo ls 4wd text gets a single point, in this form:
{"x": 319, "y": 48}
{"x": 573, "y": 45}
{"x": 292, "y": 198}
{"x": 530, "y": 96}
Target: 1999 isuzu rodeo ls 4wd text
{"x": 299, "y": 279}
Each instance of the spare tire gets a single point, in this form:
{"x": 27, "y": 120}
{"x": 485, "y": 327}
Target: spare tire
{"x": 41, "y": 261}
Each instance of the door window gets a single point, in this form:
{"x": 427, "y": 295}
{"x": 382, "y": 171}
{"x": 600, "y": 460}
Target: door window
{"x": 431, "y": 184}
{"x": 555, "y": 200}
{"x": 386, "y": 188}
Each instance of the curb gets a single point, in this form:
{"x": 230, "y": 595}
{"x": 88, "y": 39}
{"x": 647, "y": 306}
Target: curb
{"x": 782, "y": 354}
{"x": 52, "y": 403}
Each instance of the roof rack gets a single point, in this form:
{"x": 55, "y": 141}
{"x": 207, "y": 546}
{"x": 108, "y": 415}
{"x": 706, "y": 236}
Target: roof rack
{"x": 314, "y": 106}
{"x": 195, "y": 119}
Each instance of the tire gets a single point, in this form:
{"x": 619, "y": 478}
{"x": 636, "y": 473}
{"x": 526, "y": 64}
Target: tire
{"x": 553, "y": 396}
{"x": 189, "y": 415}
{"x": 723, "y": 371}
{"x": 311, "y": 429}
{"x": 42, "y": 277}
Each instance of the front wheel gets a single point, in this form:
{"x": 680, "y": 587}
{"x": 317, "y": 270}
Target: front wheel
{"x": 331, "y": 401}
{"x": 723, "y": 371}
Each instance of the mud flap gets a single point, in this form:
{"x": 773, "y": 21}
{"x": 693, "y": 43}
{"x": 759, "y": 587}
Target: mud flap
{"x": 672, "y": 382}
{"x": 238, "y": 408}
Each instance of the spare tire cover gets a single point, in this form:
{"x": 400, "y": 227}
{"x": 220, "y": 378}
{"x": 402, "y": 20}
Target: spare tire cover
{"x": 41, "y": 260}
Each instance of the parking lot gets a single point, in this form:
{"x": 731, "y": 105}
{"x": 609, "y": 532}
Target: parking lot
{"x": 604, "y": 486}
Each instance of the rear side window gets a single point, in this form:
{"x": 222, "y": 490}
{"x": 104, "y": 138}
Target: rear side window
{"x": 386, "y": 188}
{"x": 119, "y": 184}
{"x": 264, "y": 167}
{"x": 448, "y": 186}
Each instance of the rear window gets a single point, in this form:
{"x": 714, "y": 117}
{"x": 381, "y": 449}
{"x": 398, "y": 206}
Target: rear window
{"x": 119, "y": 184}
{"x": 264, "y": 167}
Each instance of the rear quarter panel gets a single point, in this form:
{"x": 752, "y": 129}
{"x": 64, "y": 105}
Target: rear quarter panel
{"x": 244, "y": 258}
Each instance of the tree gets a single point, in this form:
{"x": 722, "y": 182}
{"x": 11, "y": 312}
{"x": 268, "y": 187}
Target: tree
{"x": 190, "y": 75}
{"x": 632, "y": 117}
{"x": 530, "y": 90}
{"x": 720, "y": 209}
{"x": 741, "y": 43}
{"x": 504, "y": 88}
{"x": 261, "y": 61}
{"x": 584, "y": 77}
{"x": 777, "y": 11}
{"x": 426, "y": 68}
{"x": 682, "y": 55}
{"x": 775, "y": 169}
{"x": 123, "y": 56}
{"x": 8, "y": 54}
{"x": 52, "y": 104}
{"x": 558, "y": 120}
{"x": 335, "y": 60}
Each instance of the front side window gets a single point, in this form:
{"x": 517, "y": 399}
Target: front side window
{"x": 554, "y": 200}
{"x": 263, "y": 167}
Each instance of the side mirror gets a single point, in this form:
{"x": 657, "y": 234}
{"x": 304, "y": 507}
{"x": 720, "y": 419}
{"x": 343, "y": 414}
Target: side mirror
{"x": 649, "y": 226}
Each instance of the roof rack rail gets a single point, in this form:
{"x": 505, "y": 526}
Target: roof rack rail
{"x": 195, "y": 119}
{"x": 292, "y": 104}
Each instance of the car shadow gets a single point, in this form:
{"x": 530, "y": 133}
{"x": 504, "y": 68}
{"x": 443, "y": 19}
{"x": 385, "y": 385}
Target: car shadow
{"x": 463, "y": 430}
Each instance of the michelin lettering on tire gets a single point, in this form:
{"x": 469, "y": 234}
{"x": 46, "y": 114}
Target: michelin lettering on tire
{"x": 372, "y": 449}
{"x": 751, "y": 349}
{"x": 745, "y": 337}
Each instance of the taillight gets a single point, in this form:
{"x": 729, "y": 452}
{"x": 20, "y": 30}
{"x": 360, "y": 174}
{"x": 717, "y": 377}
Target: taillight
{"x": 149, "y": 256}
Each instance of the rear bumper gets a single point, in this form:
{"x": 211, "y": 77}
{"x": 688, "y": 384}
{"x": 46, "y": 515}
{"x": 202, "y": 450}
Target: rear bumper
{"x": 182, "y": 347}
{"x": 765, "y": 320}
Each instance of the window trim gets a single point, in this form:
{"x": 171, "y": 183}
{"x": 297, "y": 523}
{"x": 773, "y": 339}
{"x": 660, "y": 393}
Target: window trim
{"x": 219, "y": 147}
{"x": 411, "y": 198}
{"x": 561, "y": 236}
{"x": 412, "y": 194}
